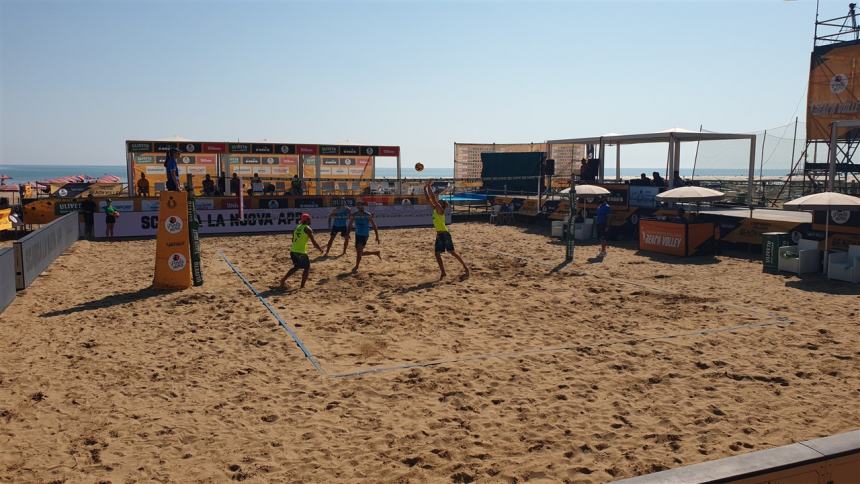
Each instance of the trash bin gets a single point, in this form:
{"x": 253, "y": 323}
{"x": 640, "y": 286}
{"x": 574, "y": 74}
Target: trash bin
{"x": 770, "y": 244}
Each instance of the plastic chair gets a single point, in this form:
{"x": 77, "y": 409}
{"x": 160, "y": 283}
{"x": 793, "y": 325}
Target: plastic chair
{"x": 845, "y": 266}
{"x": 802, "y": 258}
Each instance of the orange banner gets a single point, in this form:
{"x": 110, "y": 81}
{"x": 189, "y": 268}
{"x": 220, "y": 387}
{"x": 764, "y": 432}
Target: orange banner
{"x": 662, "y": 237}
{"x": 173, "y": 248}
{"x": 834, "y": 88}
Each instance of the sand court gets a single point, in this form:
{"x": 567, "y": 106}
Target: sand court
{"x": 386, "y": 318}
{"x": 588, "y": 373}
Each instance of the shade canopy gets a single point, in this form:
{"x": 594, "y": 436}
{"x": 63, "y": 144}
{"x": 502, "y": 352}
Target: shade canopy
{"x": 825, "y": 201}
{"x": 588, "y": 190}
{"x": 665, "y": 136}
{"x": 690, "y": 194}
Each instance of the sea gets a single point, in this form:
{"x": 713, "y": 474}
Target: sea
{"x": 33, "y": 172}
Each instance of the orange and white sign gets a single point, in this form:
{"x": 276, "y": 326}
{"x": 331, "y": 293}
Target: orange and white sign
{"x": 662, "y": 237}
{"x": 173, "y": 247}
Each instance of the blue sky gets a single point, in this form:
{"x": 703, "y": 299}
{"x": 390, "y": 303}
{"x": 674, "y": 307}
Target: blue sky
{"x": 79, "y": 77}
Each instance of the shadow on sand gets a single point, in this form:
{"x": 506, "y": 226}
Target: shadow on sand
{"x": 820, "y": 283}
{"x": 110, "y": 300}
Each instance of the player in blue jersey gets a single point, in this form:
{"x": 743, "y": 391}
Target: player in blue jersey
{"x": 339, "y": 220}
{"x": 362, "y": 221}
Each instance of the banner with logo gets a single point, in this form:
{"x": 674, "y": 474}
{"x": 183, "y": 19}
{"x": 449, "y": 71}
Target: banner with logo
{"x": 680, "y": 239}
{"x": 834, "y": 87}
{"x": 173, "y": 245}
{"x": 146, "y": 224}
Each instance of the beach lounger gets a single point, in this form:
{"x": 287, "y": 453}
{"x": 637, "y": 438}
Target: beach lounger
{"x": 802, "y": 258}
{"x": 845, "y": 266}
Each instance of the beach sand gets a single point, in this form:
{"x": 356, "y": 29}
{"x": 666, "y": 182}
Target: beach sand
{"x": 595, "y": 372}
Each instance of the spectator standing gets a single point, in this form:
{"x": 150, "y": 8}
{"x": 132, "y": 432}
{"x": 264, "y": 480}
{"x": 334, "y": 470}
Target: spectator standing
{"x": 235, "y": 184}
{"x": 172, "y": 170}
{"x": 208, "y": 186}
{"x": 603, "y": 212}
{"x": 111, "y": 215}
{"x": 88, "y": 207}
{"x": 142, "y": 186}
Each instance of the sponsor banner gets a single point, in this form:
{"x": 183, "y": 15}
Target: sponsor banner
{"x": 307, "y": 149}
{"x": 121, "y": 205}
{"x": 145, "y": 224}
{"x": 262, "y": 148}
{"x": 643, "y": 196}
{"x": 185, "y": 160}
{"x": 285, "y": 149}
{"x": 151, "y": 170}
{"x": 349, "y": 150}
{"x": 214, "y": 148}
{"x": 271, "y": 160}
{"x": 283, "y": 171}
{"x": 263, "y": 170}
{"x": 62, "y": 207}
{"x": 251, "y": 160}
{"x": 662, "y": 237}
{"x": 139, "y": 146}
{"x": 190, "y": 147}
{"x": 242, "y": 170}
{"x": 369, "y": 150}
{"x": 192, "y": 170}
{"x": 162, "y": 147}
{"x": 834, "y": 87}
{"x": 239, "y": 148}
{"x": 205, "y": 159}
{"x": 172, "y": 249}
{"x": 144, "y": 159}
{"x": 329, "y": 150}
{"x": 389, "y": 151}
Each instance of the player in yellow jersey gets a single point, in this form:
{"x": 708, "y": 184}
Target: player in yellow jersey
{"x": 299, "y": 250}
{"x": 444, "y": 243}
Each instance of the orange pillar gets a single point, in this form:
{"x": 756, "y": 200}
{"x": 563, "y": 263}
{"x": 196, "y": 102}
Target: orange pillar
{"x": 172, "y": 250}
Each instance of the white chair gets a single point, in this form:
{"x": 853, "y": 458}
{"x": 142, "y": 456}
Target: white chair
{"x": 801, "y": 258}
{"x": 494, "y": 213}
{"x": 845, "y": 266}
{"x": 584, "y": 230}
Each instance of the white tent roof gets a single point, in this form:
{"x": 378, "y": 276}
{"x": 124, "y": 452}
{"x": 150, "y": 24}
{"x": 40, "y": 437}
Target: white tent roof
{"x": 676, "y": 134}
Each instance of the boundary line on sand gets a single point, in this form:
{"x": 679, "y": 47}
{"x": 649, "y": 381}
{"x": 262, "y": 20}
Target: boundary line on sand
{"x": 780, "y": 321}
{"x": 287, "y": 328}
{"x": 556, "y": 349}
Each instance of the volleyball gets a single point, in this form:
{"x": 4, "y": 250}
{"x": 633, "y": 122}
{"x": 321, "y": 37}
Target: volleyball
{"x": 419, "y": 166}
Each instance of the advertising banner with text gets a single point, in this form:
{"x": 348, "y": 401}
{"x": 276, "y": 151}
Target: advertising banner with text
{"x": 145, "y": 224}
{"x": 834, "y": 87}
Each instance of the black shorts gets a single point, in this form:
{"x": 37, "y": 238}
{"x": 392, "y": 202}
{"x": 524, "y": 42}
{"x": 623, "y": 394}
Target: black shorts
{"x": 170, "y": 185}
{"x": 339, "y": 230}
{"x": 361, "y": 240}
{"x": 300, "y": 261}
{"x": 444, "y": 242}
{"x": 110, "y": 219}
{"x": 601, "y": 231}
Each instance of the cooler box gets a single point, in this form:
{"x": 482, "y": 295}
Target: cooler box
{"x": 770, "y": 244}
{"x": 558, "y": 228}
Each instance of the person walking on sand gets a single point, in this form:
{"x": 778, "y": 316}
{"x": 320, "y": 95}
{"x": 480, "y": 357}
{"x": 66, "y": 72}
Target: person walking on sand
{"x": 339, "y": 220}
{"x": 444, "y": 242}
{"x": 603, "y": 212}
{"x": 362, "y": 220}
{"x": 299, "y": 250}
{"x": 111, "y": 214}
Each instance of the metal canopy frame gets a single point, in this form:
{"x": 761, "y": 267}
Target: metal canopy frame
{"x": 673, "y": 138}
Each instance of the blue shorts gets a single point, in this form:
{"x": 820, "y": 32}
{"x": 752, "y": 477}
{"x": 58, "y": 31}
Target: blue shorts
{"x": 339, "y": 230}
{"x": 361, "y": 240}
{"x": 444, "y": 242}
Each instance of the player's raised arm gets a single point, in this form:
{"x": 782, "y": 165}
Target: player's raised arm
{"x": 434, "y": 200}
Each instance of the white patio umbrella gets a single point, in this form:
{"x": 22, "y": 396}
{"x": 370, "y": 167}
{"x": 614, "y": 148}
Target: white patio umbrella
{"x": 690, "y": 194}
{"x": 826, "y": 201}
{"x": 588, "y": 191}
